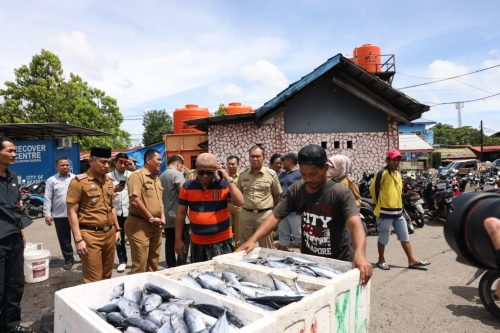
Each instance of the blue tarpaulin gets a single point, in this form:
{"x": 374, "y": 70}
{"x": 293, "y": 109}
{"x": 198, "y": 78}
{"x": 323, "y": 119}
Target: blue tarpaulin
{"x": 138, "y": 154}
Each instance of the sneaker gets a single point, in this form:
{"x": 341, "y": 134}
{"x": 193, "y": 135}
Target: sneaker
{"x": 20, "y": 329}
{"x": 121, "y": 268}
{"x": 67, "y": 265}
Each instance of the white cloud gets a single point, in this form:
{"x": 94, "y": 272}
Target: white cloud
{"x": 265, "y": 73}
{"x": 226, "y": 90}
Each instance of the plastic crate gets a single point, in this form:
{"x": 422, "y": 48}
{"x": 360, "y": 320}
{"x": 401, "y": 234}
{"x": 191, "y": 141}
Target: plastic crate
{"x": 72, "y": 306}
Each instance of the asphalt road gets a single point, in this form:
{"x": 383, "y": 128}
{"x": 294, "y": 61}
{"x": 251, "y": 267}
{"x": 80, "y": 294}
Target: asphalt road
{"x": 403, "y": 300}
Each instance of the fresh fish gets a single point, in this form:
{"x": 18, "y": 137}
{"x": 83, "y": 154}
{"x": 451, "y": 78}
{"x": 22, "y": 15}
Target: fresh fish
{"x": 216, "y": 274}
{"x": 175, "y": 308}
{"x": 178, "y": 324}
{"x": 248, "y": 291}
{"x": 221, "y": 325}
{"x": 128, "y": 308}
{"x": 284, "y": 299}
{"x": 217, "y": 311}
{"x": 166, "y": 327}
{"x": 278, "y": 284}
{"x": 154, "y": 289}
{"x": 299, "y": 261}
{"x": 194, "y": 274}
{"x": 306, "y": 271}
{"x": 150, "y": 302}
{"x": 263, "y": 306}
{"x": 209, "y": 281}
{"x": 297, "y": 287}
{"x": 134, "y": 293}
{"x": 185, "y": 302}
{"x": 188, "y": 279}
{"x": 331, "y": 269}
{"x": 115, "y": 319}
{"x": 109, "y": 307}
{"x": 118, "y": 291}
{"x": 208, "y": 320}
{"x": 133, "y": 330}
{"x": 252, "y": 260}
{"x": 320, "y": 271}
{"x": 145, "y": 325}
{"x": 275, "y": 258}
{"x": 194, "y": 320}
{"x": 230, "y": 277}
{"x": 157, "y": 317}
{"x": 280, "y": 265}
{"x": 102, "y": 315}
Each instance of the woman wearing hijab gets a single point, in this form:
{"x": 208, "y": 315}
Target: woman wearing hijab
{"x": 339, "y": 170}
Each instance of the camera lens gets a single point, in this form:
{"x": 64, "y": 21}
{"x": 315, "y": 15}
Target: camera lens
{"x": 465, "y": 232}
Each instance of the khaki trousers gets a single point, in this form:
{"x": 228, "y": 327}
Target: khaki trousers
{"x": 249, "y": 222}
{"x": 145, "y": 244}
{"x": 98, "y": 264}
{"x": 234, "y": 216}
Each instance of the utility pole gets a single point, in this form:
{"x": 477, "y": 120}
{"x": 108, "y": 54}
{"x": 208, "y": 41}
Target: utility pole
{"x": 459, "y": 106}
{"x": 482, "y": 142}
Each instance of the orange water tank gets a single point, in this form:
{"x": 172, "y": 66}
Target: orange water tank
{"x": 368, "y": 57}
{"x": 235, "y": 107}
{"x": 191, "y": 111}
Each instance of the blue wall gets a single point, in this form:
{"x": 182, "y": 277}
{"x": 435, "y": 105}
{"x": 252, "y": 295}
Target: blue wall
{"x": 35, "y": 160}
{"x": 426, "y": 134}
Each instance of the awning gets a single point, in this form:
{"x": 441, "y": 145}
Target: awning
{"x": 412, "y": 143}
{"x": 45, "y": 130}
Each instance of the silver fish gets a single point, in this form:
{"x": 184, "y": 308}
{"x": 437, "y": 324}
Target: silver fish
{"x": 194, "y": 320}
{"x": 253, "y": 285}
{"x": 134, "y": 293}
{"x": 166, "y": 327}
{"x": 279, "y": 264}
{"x": 306, "y": 271}
{"x": 118, "y": 291}
{"x": 175, "y": 308}
{"x": 109, "y": 307}
{"x": 323, "y": 272}
{"x": 275, "y": 258}
{"x": 297, "y": 287}
{"x": 114, "y": 318}
{"x": 262, "y": 306}
{"x": 252, "y": 260}
{"x": 299, "y": 261}
{"x": 248, "y": 291}
{"x": 133, "y": 330}
{"x": 150, "y": 302}
{"x": 221, "y": 325}
{"x": 178, "y": 324}
{"x": 208, "y": 320}
{"x": 185, "y": 302}
{"x": 209, "y": 281}
{"x": 157, "y": 317}
{"x": 216, "y": 311}
{"x": 230, "y": 277}
{"x": 278, "y": 284}
{"x": 145, "y": 325}
{"x": 128, "y": 308}
{"x": 154, "y": 289}
{"x": 188, "y": 279}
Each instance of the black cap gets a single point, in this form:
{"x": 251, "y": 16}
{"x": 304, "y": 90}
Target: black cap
{"x": 100, "y": 152}
{"x": 312, "y": 154}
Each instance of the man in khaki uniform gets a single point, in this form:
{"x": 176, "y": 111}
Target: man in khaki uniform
{"x": 261, "y": 191}
{"x": 146, "y": 217}
{"x": 92, "y": 217}
{"x": 233, "y": 163}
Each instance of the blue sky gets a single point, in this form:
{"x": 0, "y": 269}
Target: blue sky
{"x": 165, "y": 54}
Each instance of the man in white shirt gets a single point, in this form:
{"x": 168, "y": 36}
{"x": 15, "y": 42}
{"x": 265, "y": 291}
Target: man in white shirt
{"x": 54, "y": 208}
{"x": 120, "y": 175}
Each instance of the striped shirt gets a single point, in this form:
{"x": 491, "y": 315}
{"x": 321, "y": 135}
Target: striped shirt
{"x": 208, "y": 212}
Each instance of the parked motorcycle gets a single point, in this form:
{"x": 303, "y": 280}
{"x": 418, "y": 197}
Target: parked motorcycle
{"x": 364, "y": 184}
{"x": 487, "y": 290}
{"x": 413, "y": 204}
{"x": 32, "y": 205}
{"x": 367, "y": 216}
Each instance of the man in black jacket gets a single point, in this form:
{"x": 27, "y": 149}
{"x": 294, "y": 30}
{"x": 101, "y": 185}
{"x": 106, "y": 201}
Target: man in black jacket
{"x": 11, "y": 243}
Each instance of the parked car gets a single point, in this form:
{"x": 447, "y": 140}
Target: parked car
{"x": 494, "y": 167}
{"x": 455, "y": 166}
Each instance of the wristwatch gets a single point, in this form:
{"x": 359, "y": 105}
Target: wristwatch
{"x": 230, "y": 180}
{"x": 151, "y": 220}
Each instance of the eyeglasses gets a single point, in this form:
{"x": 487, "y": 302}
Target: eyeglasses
{"x": 208, "y": 173}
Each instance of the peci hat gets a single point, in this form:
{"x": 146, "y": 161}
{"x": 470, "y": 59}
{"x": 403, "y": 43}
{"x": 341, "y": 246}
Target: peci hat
{"x": 103, "y": 152}
{"x": 393, "y": 153}
{"x": 312, "y": 154}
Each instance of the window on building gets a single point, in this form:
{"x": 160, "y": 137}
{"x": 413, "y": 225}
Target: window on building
{"x": 336, "y": 144}
{"x": 323, "y": 144}
{"x": 349, "y": 144}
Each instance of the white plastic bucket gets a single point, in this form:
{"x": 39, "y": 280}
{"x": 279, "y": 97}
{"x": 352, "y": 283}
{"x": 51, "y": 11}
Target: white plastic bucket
{"x": 33, "y": 247}
{"x": 36, "y": 265}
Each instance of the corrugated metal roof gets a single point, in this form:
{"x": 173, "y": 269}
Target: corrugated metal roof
{"x": 412, "y": 143}
{"x": 410, "y": 109}
{"x": 454, "y": 153}
{"x": 486, "y": 149}
{"x": 46, "y": 130}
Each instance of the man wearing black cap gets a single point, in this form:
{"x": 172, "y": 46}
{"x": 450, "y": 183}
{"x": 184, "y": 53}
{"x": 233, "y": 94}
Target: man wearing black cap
{"x": 326, "y": 209}
{"x": 93, "y": 218}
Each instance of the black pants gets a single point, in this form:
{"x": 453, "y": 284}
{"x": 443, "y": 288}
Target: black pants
{"x": 121, "y": 250}
{"x": 11, "y": 280}
{"x": 170, "y": 256}
{"x": 63, "y": 231}
{"x": 205, "y": 252}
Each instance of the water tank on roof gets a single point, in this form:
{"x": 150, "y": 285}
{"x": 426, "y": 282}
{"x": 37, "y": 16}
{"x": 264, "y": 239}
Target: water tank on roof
{"x": 368, "y": 57}
{"x": 236, "y": 107}
{"x": 191, "y": 111}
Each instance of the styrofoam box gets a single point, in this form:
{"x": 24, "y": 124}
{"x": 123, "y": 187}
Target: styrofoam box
{"x": 340, "y": 306}
{"x": 73, "y": 306}
{"x": 350, "y": 305}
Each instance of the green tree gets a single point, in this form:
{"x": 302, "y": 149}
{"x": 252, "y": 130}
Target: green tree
{"x": 221, "y": 110}
{"x": 40, "y": 93}
{"x": 465, "y": 135}
{"x": 156, "y": 124}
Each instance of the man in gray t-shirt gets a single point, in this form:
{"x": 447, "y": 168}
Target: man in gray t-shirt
{"x": 171, "y": 180}
{"x": 330, "y": 222}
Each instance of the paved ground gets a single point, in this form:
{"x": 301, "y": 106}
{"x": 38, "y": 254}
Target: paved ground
{"x": 403, "y": 300}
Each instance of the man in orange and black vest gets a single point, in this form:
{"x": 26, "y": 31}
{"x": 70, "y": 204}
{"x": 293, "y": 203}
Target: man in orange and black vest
{"x": 206, "y": 196}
